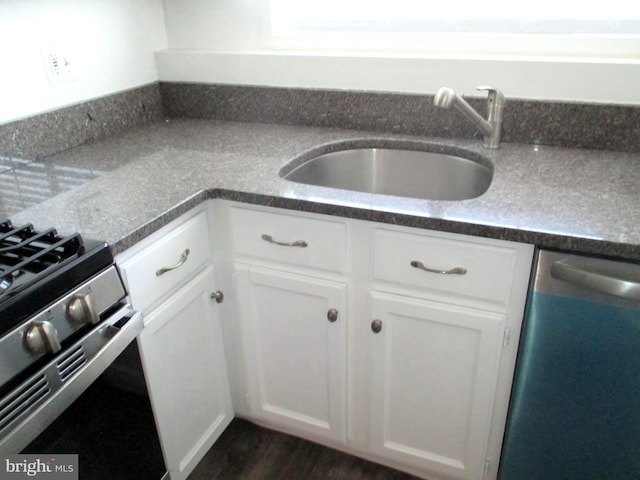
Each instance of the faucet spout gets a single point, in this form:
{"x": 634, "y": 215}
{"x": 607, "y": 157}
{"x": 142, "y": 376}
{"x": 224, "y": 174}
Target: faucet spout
{"x": 490, "y": 128}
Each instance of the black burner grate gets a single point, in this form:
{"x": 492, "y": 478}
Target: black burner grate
{"x": 38, "y": 267}
{"x": 27, "y": 255}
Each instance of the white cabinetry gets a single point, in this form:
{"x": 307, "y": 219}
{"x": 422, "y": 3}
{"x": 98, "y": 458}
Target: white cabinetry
{"x": 433, "y": 378}
{"x": 293, "y": 317}
{"x": 395, "y": 344}
{"x": 181, "y": 345}
{"x": 416, "y": 372}
{"x": 443, "y": 308}
{"x": 295, "y": 333}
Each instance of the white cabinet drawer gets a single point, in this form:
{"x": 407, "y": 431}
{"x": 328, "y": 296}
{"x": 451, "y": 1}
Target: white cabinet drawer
{"x": 308, "y": 242}
{"x": 166, "y": 265}
{"x": 404, "y": 258}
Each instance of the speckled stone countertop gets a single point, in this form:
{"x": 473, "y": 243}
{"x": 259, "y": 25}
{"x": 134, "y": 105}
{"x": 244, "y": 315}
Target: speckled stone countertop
{"x": 581, "y": 200}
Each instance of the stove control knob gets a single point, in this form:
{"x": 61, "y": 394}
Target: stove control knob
{"x": 42, "y": 337}
{"x": 80, "y": 310}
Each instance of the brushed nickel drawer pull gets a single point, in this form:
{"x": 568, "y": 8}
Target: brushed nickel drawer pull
{"x": 453, "y": 271}
{"x": 297, "y": 243}
{"x": 183, "y": 258}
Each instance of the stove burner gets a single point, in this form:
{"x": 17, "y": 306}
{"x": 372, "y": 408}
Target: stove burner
{"x": 27, "y": 255}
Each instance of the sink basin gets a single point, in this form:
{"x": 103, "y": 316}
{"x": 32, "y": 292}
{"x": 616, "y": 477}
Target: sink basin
{"x": 392, "y": 171}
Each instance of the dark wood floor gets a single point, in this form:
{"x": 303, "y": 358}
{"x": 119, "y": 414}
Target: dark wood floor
{"x": 248, "y": 452}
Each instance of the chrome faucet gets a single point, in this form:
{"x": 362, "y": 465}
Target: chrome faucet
{"x": 490, "y": 128}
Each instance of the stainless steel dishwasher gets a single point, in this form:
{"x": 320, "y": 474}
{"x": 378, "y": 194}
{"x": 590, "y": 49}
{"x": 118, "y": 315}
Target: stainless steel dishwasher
{"x": 575, "y": 406}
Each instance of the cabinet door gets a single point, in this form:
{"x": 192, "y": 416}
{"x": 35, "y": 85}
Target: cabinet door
{"x": 295, "y": 349}
{"x": 434, "y": 373}
{"x": 183, "y": 358}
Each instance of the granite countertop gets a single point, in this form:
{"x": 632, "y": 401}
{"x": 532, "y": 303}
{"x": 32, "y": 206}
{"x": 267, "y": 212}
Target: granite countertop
{"x": 133, "y": 184}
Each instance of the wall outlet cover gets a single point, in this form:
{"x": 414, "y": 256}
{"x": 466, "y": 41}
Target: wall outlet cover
{"x": 59, "y": 65}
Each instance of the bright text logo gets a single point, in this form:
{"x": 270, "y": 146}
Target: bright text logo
{"x": 53, "y": 467}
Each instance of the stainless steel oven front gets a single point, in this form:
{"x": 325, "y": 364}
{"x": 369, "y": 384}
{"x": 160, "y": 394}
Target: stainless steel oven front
{"x": 110, "y": 426}
{"x": 66, "y": 335}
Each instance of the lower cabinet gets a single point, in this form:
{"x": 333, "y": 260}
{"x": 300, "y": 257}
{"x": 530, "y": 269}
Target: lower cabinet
{"x": 391, "y": 343}
{"x": 183, "y": 357}
{"x": 413, "y": 369}
{"x": 434, "y": 369}
{"x": 293, "y": 329}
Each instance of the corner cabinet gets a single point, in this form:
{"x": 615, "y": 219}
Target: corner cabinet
{"x": 171, "y": 280}
{"x": 391, "y": 343}
{"x": 415, "y": 369}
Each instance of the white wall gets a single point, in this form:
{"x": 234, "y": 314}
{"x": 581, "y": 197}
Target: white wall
{"x": 225, "y": 41}
{"x": 111, "y": 42}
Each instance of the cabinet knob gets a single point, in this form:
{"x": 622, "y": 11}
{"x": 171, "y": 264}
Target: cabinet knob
{"x": 376, "y": 326}
{"x": 332, "y": 315}
{"x": 218, "y": 296}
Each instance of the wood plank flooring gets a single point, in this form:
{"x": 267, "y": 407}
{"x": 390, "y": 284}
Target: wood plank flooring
{"x": 248, "y": 452}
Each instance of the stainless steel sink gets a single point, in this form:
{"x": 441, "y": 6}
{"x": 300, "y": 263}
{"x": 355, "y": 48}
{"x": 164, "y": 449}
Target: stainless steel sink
{"x": 392, "y": 171}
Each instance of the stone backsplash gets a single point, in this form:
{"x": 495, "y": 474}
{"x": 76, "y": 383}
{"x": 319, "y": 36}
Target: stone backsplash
{"x": 41, "y": 135}
{"x": 575, "y": 125}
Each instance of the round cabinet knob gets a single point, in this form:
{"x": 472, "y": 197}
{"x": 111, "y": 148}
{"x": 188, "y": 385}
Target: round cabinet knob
{"x": 80, "y": 310}
{"x": 332, "y": 315}
{"x": 218, "y": 296}
{"x": 42, "y": 337}
{"x": 376, "y": 326}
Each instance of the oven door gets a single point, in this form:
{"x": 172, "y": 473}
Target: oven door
{"x": 81, "y": 403}
{"x": 110, "y": 427}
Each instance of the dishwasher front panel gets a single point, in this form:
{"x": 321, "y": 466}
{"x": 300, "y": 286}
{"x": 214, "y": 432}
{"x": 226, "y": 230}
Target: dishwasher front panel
{"x": 575, "y": 407}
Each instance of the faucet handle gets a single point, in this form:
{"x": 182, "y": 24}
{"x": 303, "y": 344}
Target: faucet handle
{"x": 495, "y": 96}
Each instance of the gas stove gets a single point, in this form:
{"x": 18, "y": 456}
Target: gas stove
{"x": 62, "y": 303}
